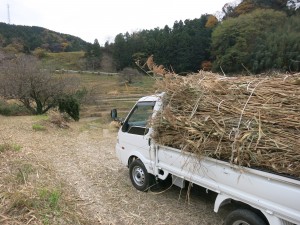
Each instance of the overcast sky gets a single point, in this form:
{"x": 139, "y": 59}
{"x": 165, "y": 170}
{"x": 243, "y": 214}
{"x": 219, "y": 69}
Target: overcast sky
{"x": 91, "y": 19}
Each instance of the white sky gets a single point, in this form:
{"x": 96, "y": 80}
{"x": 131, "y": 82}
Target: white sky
{"x": 91, "y": 19}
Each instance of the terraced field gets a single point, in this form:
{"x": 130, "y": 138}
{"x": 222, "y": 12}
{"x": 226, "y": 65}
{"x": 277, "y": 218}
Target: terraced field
{"x": 108, "y": 92}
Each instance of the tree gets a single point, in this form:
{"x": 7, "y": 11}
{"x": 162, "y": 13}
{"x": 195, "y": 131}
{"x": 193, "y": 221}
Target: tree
{"x": 37, "y": 89}
{"x": 212, "y": 21}
{"x": 248, "y": 6}
{"x": 127, "y": 75}
{"x": 121, "y": 54}
{"x": 93, "y": 55}
{"x": 245, "y": 42}
{"x": 179, "y": 49}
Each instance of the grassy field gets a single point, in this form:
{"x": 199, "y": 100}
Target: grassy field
{"x": 64, "y": 60}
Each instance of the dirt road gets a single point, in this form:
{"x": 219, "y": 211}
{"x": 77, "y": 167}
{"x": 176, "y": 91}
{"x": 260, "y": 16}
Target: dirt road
{"x": 83, "y": 157}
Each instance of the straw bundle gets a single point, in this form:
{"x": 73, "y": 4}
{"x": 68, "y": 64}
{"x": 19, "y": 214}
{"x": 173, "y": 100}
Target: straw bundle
{"x": 248, "y": 121}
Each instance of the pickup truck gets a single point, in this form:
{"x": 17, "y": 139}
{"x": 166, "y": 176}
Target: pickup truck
{"x": 260, "y": 197}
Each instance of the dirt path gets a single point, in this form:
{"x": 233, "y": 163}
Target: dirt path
{"x": 83, "y": 157}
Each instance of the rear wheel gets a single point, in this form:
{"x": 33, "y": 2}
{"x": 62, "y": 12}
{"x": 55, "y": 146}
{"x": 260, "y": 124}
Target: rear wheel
{"x": 244, "y": 217}
{"x": 139, "y": 176}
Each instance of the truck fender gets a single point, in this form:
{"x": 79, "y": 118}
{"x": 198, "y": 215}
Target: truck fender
{"x": 145, "y": 161}
{"x": 220, "y": 201}
{"x": 223, "y": 199}
{"x": 273, "y": 220}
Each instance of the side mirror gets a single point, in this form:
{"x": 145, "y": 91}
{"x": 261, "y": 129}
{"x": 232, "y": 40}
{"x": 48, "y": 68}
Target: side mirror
{"x": 114, "y": 114}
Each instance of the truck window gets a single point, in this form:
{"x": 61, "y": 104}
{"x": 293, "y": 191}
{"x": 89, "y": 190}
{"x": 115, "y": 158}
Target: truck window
{"x": 139, "y": 118}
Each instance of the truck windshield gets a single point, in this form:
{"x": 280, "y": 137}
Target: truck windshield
{"x": 139, "y": 118}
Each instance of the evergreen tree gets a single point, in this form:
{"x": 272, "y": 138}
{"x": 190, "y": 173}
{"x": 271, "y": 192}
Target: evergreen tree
{"x": 93, "y": 55}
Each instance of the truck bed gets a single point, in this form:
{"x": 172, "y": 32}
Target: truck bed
{"x": 274, "y": 194}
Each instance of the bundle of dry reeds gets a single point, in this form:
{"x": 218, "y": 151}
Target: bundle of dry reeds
{"x": 248, "y": 121}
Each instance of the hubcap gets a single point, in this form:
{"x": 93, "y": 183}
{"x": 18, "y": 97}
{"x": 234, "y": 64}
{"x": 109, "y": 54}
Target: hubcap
{"x": 138, "y": 176}
{"x": 240, "y": 222}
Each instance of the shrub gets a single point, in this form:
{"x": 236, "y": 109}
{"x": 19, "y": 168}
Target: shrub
{"x": 13, "y": 109}
{"x": 71, "y": 103}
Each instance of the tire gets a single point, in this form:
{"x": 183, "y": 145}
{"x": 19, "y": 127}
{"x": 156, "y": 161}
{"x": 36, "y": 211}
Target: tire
{"x": 244, "y": 217}
{"x": 139, "y": 176}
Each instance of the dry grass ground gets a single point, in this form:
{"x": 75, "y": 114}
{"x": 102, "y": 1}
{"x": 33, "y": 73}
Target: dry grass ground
{"x": 72, "y": 176}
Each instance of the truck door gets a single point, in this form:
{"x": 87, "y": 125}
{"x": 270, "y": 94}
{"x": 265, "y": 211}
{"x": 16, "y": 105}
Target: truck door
{"x": 135, "y": 132}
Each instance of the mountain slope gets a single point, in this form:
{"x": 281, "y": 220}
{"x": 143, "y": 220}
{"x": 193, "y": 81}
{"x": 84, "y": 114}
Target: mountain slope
{"x": 28, "y": 38}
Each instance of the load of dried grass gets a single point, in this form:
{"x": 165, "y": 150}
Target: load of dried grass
{"x": 248, "y": 121}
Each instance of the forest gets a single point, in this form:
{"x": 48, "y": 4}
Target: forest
{"x": 17, "y": 38}
{"x": 252, "y": 37}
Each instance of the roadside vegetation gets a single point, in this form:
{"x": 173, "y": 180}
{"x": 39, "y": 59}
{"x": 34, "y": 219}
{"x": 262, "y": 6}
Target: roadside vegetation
{"x": 22, "y": 79}
{"x": 12, "y": 108}
{"x": 29, "y": 194}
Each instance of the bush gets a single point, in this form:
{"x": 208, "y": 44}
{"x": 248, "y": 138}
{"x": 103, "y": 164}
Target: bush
{"x": 128, "y": 75}
{"x": 40, "y": 53}
{"x": 71, "y": 103}
{"x": 14, "y": 109}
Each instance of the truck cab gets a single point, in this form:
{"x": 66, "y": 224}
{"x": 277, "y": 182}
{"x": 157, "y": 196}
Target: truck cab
{"x": 134, "y": 136}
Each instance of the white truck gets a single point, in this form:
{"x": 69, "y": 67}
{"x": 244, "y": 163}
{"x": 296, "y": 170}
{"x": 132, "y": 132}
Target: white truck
{"x": 261, "y": 198}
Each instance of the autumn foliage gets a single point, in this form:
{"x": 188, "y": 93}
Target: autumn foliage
{"x": 211, "y": 21}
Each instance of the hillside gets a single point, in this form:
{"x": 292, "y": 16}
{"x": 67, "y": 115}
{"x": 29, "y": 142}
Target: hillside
{"x": 28, "y": 38}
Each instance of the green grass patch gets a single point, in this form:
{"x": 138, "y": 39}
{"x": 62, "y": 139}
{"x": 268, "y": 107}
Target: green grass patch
{"x": 38, "y": 127}
{"x": 43, "y": 117}
{"x": 50, "y": 198}
{"x": 9, "y": 147}
{"x": 16, "y": 147}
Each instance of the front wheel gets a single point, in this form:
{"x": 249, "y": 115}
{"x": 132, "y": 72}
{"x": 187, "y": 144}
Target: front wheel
{"x": 244, "y": 217}
{"x": 139, "y": 176}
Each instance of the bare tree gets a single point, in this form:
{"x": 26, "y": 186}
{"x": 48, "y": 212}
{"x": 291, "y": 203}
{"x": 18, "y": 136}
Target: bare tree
{"x": 37, "y": 89}
{"x": 127, "y": 75}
